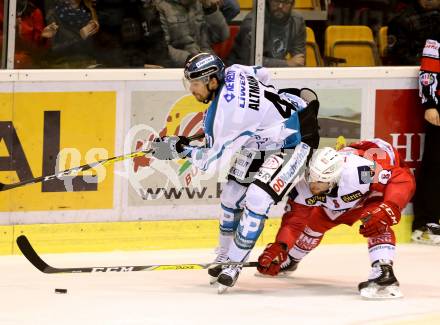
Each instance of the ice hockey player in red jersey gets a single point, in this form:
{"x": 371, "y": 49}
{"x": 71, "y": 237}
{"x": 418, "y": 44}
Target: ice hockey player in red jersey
{"x": 364, "y": 181}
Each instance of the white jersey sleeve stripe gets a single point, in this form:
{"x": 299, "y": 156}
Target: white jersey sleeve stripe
{"x": 204, "y": 157}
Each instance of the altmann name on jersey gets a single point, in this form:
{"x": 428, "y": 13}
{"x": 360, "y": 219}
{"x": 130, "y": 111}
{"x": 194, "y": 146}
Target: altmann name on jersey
{"x": 347, "y": 198}
{"x": 253, "y": 94}
{"x": 315, "y": 198}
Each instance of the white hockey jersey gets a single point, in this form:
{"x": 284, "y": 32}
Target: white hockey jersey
{"x": 247, "y": 112}
{"x": 354, "y": 183}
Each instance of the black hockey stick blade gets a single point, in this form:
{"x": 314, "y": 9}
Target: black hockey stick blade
{"x": 73, "y": 171}
{"x": 32, "y": 256}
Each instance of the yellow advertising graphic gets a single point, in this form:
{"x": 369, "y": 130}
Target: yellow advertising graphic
{"x": 156, "y": 182}
{"x": 43, "y": 133}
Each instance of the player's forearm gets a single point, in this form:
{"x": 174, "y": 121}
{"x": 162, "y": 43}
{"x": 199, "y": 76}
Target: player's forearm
{"x": 217, "y": 26}
{"x": 198, "y": 156}
{"x": 206, "y": 159}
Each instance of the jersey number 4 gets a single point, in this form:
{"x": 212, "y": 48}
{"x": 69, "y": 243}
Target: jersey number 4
{"x": 284, "y": 107}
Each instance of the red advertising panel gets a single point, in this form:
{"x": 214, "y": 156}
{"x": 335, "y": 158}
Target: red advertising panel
{"x": 399, "y": 120}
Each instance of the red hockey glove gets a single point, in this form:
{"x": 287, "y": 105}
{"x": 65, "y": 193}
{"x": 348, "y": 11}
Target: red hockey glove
{"x": 273, "y": 256}
{"x": 378, "y": 217}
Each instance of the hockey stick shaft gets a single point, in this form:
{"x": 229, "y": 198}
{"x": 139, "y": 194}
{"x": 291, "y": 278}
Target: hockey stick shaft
{"x": 29, "y": 252}
{"x": 75, "y": 170}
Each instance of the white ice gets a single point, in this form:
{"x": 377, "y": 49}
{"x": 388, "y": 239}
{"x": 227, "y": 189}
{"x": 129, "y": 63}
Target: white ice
{"x": 322, "y": 291}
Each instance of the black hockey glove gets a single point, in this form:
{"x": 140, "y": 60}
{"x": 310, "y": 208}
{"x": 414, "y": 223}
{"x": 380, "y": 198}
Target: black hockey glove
{"x": 169, "y": 148}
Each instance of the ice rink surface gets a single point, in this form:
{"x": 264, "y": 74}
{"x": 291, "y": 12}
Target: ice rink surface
{"x": 322, "y": 291}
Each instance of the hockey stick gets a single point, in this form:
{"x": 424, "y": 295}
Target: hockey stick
{"x": 68, "y": 172}
{"x": 32, "y": 256}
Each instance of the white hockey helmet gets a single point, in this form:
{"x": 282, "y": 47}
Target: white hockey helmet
{"x": 325, "y": 166}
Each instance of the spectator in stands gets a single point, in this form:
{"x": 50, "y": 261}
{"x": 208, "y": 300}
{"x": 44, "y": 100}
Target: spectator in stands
{"x": 153, "y": 39}
{"x": 426, "y": 227}
{"x": 284, "y": 37}
{"x": 71, "y": 26}
{"x": 229, "y": 8}
{"x": 130, "y": 35}
{"x": 108, "y": 41}
{"x": 190, "y": 27}
{"x": 408, "y": 31}
{"x": 2, "y": 8}
{"x": 28, "y": 41}
{"x": 143, "y": 41}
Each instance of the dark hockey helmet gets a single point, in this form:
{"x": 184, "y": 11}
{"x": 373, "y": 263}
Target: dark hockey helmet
{"x": 204, "y": 66}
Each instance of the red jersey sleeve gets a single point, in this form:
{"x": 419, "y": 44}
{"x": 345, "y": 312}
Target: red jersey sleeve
{"x": 397, "y": 185}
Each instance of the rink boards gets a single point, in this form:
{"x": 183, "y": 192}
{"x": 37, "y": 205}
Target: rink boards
{"x": 144, "y": 204}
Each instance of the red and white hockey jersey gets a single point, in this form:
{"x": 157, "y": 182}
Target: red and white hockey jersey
{"x": 379, "y": 176}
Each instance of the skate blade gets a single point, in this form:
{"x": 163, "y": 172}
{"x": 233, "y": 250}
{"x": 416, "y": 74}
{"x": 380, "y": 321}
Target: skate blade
{"x": 381, "y": 293}
{"x": 212, "y": 280}
{"x": 425, "y": 241}
{"x": 420, "y": 237}
{"x": 221, "y": 289}
{"x": 281, "y": 275}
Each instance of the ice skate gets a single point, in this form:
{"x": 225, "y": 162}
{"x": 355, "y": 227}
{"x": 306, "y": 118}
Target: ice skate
{"x": 287, "y": 268}
{"x": 429, "y": 234}
{"x": 228, "y": 277}
{"x": 215, "y": 270}
{"x": 382, "y": 284}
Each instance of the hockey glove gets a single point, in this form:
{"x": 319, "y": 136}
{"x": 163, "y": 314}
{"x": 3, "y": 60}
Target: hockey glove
{"x": 378, "y": 217}
{"x": 273, "y": 256}
{"x": 169, "y": 148}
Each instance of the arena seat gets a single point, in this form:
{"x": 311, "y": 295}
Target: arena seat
{"x": 313, "y": 56}
{"x": 354, "y": 44}
{"x": 383, "y": 40}
{"x": 245, "y": 4}
{"x": 299, "y": 4}
{"x": 304, "y": 4}
{"x": 224, "y": 48}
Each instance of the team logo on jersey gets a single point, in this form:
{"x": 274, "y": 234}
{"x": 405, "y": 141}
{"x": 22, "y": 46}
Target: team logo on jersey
{"x": 347, "y": 198}
{"x": 229, "y": 80}
{"x": 315, "y": 198}
{"x": 269, "y": 167}
{"x": 384, "y": 176}
{"x": 228, "y": 97}
{"x": 229, "y": 85}
{"x": 365, "y": 174}
{"x": 426, "y": 79}
{"x": 273, "y": 162}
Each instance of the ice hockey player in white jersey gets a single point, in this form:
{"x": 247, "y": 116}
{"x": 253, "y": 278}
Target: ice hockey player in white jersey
{"x": 342, "y": 188}
{"x": 258, "y": 126}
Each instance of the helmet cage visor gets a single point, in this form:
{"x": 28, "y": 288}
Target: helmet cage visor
{"x": 187, "y": 83}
